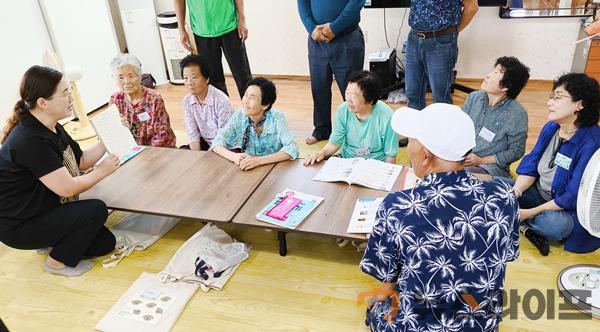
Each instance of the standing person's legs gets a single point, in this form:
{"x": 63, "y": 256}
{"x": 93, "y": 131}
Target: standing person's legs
{"x": 74, "y": 230}
{"x": 235, "y": 53}
{"x": 441, "y": 54}
{"x": 415, "y": 75}
{"x": 210, "y": 48}
{"x": 204, "y": 146}
{"x": 320, "y": 85}
{"x": 347, "y": 56}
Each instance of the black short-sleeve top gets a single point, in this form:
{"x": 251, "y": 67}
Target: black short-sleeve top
{"x": 30, "y": 152}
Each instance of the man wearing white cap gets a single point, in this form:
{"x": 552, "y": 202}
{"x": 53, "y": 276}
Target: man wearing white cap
{"x": 440, "y": 249}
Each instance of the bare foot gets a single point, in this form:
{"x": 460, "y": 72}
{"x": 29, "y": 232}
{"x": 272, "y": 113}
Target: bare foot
{"x": 310, "y": 140}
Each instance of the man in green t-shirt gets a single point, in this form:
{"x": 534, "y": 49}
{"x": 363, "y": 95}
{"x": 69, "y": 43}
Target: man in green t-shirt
{"x": 219, "y": 26}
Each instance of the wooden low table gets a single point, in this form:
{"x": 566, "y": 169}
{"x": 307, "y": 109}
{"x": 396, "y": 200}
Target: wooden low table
{"x": 330, "y": 218}
{"x": 179, "y": 183}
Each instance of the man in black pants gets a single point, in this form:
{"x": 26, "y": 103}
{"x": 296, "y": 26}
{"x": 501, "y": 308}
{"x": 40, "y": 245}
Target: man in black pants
{"x": 219, "y": 26}
{"x": 336, "y": 47}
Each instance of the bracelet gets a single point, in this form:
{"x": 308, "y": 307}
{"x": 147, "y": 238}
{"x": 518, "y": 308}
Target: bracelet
{"x": 517, "y": 192}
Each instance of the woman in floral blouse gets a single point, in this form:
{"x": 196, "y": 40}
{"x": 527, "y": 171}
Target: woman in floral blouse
{"x": 142, "y": 110}
{"x": 257, "y": 134}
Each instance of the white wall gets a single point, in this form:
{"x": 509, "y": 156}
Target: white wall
{"x": 87, "y": 41}
{"x": 24, "y": 38}
{"x": 277, "y": 40}
{"x": 544, "y": 44}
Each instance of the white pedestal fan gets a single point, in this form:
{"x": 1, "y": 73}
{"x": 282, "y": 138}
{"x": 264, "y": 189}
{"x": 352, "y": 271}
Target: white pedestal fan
{"x": 580, "y": 284}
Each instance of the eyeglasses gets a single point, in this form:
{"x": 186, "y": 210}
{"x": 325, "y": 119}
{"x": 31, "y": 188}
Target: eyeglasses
{"x": 64, "y": 94}
{"x": 193, "y": 78}
{"x": 558, "y": 96}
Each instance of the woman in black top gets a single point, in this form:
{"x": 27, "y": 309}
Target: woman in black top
{"x": 40, "y": 179}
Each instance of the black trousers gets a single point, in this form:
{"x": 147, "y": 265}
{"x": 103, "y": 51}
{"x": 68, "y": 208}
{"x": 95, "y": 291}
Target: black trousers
{"x": 204, "y": 146}
{"x": 74, "y": 230}
{"x": 341, "y": 57}
{"x": 235, "y": 53}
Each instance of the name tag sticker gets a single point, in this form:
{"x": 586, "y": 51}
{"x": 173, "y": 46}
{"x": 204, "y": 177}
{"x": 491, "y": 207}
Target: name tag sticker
{"x": 562, "y": 161}
{"x": 486, "y": 134}
{"x": 143, "y": 116}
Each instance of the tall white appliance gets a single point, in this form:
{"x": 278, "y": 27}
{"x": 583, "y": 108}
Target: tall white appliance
{"x": 143, "y": 40}
{"x": 171, "y": 41}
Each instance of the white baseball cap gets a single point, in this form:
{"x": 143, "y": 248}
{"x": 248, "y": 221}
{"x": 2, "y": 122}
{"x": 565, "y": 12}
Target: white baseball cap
{"x": 444, "y": 129}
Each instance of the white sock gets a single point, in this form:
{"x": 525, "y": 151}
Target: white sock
{"x": 43, "y": 251}
{"x": 341, "y": 242}
{"x": 82, "y": 267}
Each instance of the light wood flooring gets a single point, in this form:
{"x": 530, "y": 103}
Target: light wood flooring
{"x": 314, "y": 288}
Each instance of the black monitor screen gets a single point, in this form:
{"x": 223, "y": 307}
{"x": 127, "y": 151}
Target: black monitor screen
{"x": 406, "y": 3}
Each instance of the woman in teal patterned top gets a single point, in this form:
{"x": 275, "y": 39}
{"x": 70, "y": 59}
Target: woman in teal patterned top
{"x": 257, "y": 134}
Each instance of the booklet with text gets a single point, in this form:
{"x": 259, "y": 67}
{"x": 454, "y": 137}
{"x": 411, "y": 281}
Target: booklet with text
{"x": 365, "y": 210}
{"x": 371, "y": 173}
{"x": 289, "y": 208}
{"x": 116, "y": 138}
{"x": 363, "y": 217}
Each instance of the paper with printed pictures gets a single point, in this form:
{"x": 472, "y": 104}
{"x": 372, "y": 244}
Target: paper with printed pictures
{"x": 363, "y": 216}
{"x": 149, "y": 305}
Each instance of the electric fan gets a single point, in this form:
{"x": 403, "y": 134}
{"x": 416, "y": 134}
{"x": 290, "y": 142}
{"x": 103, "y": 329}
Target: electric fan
{"x": 82, "y": 130}
{"x": 580, "y": 284}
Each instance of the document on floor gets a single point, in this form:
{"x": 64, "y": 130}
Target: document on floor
{"x": 148, "y": 305}
{"x": 363, "y": 216}
{"x": 371, "y": 173}
{"x": 116, "y": 138}
{"x": 289, "y": 208}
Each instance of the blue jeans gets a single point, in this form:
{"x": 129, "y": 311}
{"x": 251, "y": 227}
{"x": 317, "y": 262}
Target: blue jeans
{"x": 552, "y": 225}
{"x": 430, "y": 60}
{"x": 340, "y": 57}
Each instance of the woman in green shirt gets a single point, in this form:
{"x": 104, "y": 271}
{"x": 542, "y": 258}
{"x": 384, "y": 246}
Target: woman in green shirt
{"x": 362, "y": 125}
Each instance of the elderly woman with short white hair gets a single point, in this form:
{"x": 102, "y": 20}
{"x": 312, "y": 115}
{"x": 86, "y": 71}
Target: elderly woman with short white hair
{"x": 142, "y": 109}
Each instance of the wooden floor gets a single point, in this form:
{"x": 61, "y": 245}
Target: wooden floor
{"x": 314, "y": 288}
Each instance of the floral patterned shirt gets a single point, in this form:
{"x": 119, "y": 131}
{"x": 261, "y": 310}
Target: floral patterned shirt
{"x": 445, "y": 244}
{"x": 275, "y": 136}
{"x": 148, "y": 119}
{"x": 205, "y": 119}
{"x": 433, "y": 15}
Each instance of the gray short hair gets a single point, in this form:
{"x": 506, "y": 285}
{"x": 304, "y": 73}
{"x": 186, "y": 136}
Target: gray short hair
{"x": 126, "y": 59}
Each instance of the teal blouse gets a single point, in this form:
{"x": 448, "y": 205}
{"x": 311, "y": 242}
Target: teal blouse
{"x": 275, "y": 136}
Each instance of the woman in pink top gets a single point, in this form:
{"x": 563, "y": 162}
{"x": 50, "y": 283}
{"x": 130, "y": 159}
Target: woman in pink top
{"x": 142, "y": 110}
{"x": 206, "y": 109}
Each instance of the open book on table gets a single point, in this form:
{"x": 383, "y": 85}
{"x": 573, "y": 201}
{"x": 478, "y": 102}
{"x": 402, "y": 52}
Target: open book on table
{"x": 370, "y": 173}
{"x": 116, "y": 138}
{"x": 289, "y": 208}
